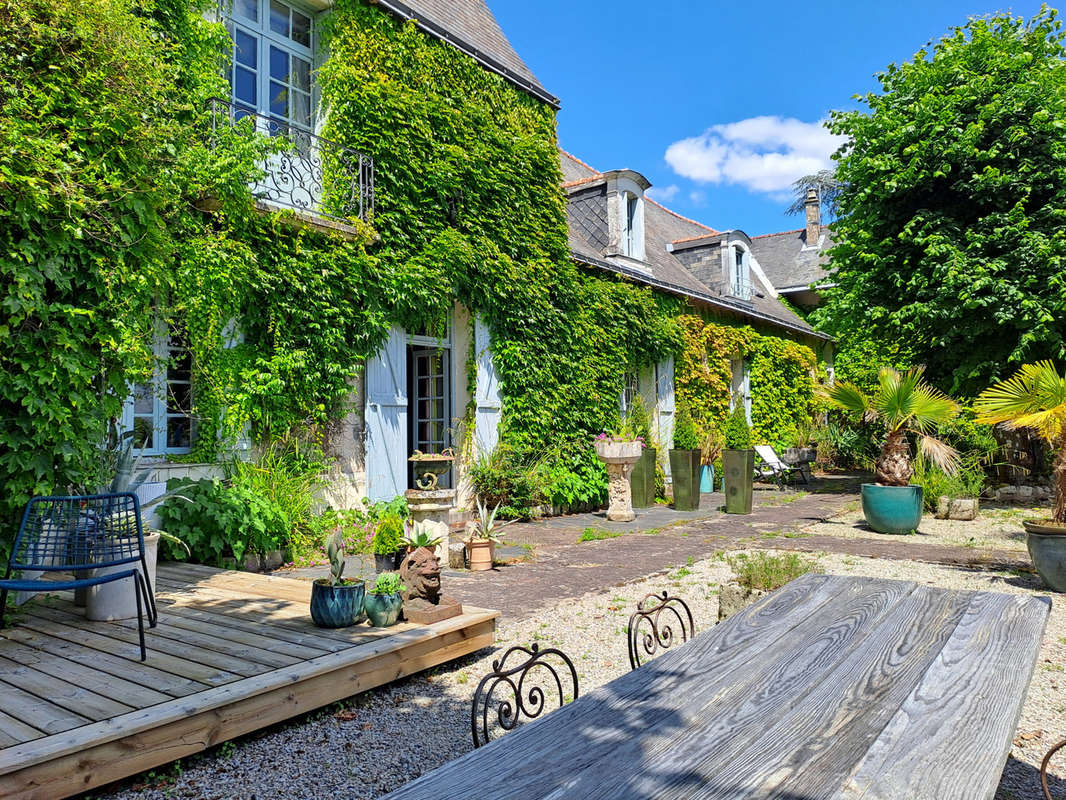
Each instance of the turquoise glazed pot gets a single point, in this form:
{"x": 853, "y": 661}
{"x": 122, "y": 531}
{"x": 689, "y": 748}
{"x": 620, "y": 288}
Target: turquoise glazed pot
{"x": 383, "y": 609}
{"x": 1047, "y": 548}
{"x": 337, "y": 606}
{"x": 707, "y": 478}
{"x": 892, "y": 509}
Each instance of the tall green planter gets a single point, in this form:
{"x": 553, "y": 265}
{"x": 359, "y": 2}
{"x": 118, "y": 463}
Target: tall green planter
{"x": 642, "y": 481}
{"x": 685, "y": 469}
{"x": 738, "y": 467}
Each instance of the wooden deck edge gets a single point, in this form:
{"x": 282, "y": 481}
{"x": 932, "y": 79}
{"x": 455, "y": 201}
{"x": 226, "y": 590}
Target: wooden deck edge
{"x": 102, "y": 752}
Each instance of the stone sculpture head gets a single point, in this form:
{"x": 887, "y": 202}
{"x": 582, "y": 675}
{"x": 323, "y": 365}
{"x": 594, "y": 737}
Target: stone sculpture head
{"x": 420, "y": 572}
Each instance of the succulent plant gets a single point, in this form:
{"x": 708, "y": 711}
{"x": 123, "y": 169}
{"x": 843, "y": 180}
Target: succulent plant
{"x": 485, "y": 527}
{"x": 418, "y": 535}
{"x": 387, "y": 583}
{"x": 335, "y": 549}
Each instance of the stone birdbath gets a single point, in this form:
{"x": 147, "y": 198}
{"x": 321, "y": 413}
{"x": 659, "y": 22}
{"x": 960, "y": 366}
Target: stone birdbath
{"x": 431, "y": 505}
{"x": 619, "y": 457}
{"x": 430, "y": 466}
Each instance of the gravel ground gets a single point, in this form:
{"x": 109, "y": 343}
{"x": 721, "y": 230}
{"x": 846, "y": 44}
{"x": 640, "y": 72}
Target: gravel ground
{"x": 997, "y": 527}
{"x": 379, "y": 740}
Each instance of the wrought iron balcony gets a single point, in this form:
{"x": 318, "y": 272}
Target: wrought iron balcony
{"x": 309, "y": 173}
{"x": 742, "y": 290}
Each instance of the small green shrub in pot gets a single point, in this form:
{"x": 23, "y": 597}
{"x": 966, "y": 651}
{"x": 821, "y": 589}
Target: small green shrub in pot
{"x": 388, "y": 544}
{"x": 685, "y": 460}
{"x": 736, "y": 432}
{"x": 738, "y": 462}
{"x": 767, "y": 572}
{"x": 636, "y": 425}
{"x": 384, "y": 600}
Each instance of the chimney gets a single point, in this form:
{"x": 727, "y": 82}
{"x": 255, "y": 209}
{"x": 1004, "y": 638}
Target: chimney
{"x": 814, "y": 217}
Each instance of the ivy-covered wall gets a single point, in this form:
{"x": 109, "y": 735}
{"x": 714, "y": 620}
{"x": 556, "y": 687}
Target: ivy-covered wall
{"x": 782, "y": 378}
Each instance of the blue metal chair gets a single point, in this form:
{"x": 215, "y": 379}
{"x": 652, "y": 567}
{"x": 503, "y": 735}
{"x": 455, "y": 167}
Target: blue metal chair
{"x": 81, "y": 535}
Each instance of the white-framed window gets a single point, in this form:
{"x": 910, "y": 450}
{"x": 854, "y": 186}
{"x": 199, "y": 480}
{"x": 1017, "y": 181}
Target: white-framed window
{"x": 633, "y": 227}
{"x": 740, "y": 385}
{"x": 740, "y": 273}
{"x": 272, "y": 59}
{"x": 630, "y": 392}
{"x": 159, "y": 412}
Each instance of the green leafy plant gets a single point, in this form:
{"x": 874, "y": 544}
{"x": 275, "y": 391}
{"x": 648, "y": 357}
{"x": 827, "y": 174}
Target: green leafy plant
{"x": 903, "y": 403}
{"x": 485, "y": 527}
{"x": 506, "y": 479}
{"x": 1034, "y": 397}
{"x": 636, "y": 423}
{"x": 418, "y": 535}
{"x": 389, "y": 535}
{"x": 767, "y": 571}
{"x": 596, "y": 534}
{"x": 735, "y": 432}
{"x": 387, "y": 583}
{"x": 968, "y": 480}
{"x": 686, "y": 436}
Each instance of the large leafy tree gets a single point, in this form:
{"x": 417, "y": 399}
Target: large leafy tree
{"x": 952, "y": 228}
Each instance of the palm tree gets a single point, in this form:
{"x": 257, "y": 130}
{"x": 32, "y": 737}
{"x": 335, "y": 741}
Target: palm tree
{"x": 905, "y": 404}
{"x": 1035, "y": 397}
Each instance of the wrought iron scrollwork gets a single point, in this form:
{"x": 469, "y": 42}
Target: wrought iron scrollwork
{"x": 520, "y": 700}
{"x": 1043, "y": 768}
{"x": 649, "y": 632}
{"x": 305, "y": 172}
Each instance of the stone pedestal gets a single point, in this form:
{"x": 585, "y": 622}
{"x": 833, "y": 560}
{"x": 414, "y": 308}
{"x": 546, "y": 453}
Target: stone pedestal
{"x": 619, "y": 458}
{"x": 433, "y": 508}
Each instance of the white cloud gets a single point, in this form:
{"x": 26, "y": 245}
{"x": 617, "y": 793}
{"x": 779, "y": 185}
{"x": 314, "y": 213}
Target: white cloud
{"x": 697, "y": 197}
{"x": 763, "y": 154}
{"x": 664, "y": 194}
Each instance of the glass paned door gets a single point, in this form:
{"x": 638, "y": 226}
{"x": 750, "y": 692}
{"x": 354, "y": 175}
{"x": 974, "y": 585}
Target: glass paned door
{"x": 429, "y": 394}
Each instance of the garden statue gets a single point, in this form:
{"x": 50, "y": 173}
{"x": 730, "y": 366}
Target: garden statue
{"x": 619, "y": 456}
{"x": 422, "y": 602}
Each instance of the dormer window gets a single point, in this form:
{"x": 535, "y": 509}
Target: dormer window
{"x": 740, "y": 274}
{"x": 633, "y": 228}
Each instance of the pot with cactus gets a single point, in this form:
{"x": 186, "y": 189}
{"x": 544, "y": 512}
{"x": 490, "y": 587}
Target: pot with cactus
{"x": 906, "y": 405}
{"x": 483, "y": 537}
{"x": 738, "y": 461}
{"x": 1035, "y": 398}
{"x": 336, "y": 601}
{"x": 384, "y": 600}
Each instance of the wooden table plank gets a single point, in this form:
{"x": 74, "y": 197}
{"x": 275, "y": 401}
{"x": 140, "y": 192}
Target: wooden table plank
{"x": 793, "y": 714}
{"x": 959, "y": 704}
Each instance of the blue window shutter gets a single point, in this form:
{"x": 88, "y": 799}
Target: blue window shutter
{"x": 386, "y": 419}
{"x": 665, "y": 406}
{"x": 487, "y": 392}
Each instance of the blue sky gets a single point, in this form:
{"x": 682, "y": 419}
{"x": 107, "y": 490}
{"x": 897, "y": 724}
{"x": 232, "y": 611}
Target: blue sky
{"x": 718, "y": 103}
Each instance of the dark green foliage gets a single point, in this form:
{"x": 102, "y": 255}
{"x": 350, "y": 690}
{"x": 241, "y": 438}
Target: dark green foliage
{"x": 767, "y": 571}
{"x": 216, "y": 520}
{"x": 386, "y": 583}
{"x": 686, "y": 436}
{"x": 954, "y": 202}
{"x": 848, "y": 444}
{"x": 388, "y": 537}
{"x": 736, "y": 432}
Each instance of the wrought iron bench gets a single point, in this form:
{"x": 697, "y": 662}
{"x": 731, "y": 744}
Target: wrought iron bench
{"x": 81, "y": 535}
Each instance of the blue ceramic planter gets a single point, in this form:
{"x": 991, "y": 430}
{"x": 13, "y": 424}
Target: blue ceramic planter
{"x": 337, "y": 606}
{"x": 892, "y": 509}
{"x": 706, "y": 478}
{"x": 383, "y": 609}
{"x": 1047, "y": 548}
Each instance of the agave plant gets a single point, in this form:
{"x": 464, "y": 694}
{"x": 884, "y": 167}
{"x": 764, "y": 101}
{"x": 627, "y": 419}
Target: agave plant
{"x": 418, "y": 535}
{"x": 486, "y": 528}
{"x": 1035, "y": 397}
{"x": 905, "y": 404}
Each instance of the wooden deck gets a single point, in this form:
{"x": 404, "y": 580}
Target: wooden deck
{"x": 233, "y": 652}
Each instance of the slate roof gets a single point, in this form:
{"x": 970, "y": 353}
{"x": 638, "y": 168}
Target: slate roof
{"x": 788, "y": 262}
{"x": 470, "y": 26}
{"x": 587, "y": 223}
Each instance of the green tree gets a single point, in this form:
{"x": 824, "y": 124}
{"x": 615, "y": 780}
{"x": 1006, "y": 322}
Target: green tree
{"x": 953, "y": 202}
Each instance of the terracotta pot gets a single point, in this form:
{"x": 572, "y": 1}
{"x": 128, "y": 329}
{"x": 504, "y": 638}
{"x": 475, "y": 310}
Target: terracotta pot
{"x": 480, "y": 553}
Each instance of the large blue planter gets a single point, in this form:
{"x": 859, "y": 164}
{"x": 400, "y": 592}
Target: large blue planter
{"x": 383, "y": 609}
{"x": 707, "y": 478}
{"x": 337, "y": 606}
{"x": 892, "y": 509}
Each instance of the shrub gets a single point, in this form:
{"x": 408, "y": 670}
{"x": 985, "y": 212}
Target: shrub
{"x": 686, "y": 437}
{"x": 636, "y": 424}
{"x": 847, "y": 445}
{"x": 968, "y": 481}
{"x": 766, "y": 571}
{"x": 216, "y": 520}
{"x": 736, "y": 432}
{"x": 503, "y": 477}
{"x": 388, "y": 537}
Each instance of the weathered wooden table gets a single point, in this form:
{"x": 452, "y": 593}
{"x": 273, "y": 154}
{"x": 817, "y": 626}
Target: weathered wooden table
{"x": 832, "y": 687}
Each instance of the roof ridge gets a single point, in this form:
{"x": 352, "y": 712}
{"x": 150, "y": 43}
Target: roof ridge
{"x": 572, "y": 157}
{"x": 686, "y": 219}
{"x": 580, "y": 181}
{"x": 779, "y": 233}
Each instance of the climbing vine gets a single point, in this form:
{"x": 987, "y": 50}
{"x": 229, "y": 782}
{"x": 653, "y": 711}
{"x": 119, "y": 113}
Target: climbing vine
{"x": 782, "y": 378}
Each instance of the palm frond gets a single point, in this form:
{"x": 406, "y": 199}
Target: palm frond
{"x": 1034, "y": 397}
{"x": 847, "y": 396}
{"x": 940, "y": 453}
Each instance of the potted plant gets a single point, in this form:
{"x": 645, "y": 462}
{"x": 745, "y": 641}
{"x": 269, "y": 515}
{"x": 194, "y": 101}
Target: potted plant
{"x": 418, "y": 535}
{"x": 388, "y": 543}
{"x": 801, "y": 451}
{"x": 637, "y": 427}
{"x": 1035, "y": 397}
{"x": 384, "y": 600}
{"x": 483, "y": 537}
{"x": 905, "y": 404}
{"x": 685, "y": 464}
{"x": 710, "y": 452}
{"x": 337, "y": 602}
{"x": 738, "y": 462}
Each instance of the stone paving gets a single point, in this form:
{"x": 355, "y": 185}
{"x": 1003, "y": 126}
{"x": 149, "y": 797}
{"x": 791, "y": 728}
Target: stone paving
{"x": 553, "y": 564}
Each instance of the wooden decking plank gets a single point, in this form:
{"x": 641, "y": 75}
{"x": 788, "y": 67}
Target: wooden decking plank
{"x": 126, "y": 668}
{"x": 841, "y": 713}
{"x": 197, "y": 577}
{"x": 15, "y": 731}
{"x": 998, "y": 638}
{"x": 300, "y": 638}
{"x": 162, "y": 658}
{"x": 92, "y": 678}
{"x": 105, "y": 751}
{"x": 71, "y": 696}
{"x": 45, "y": 716}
